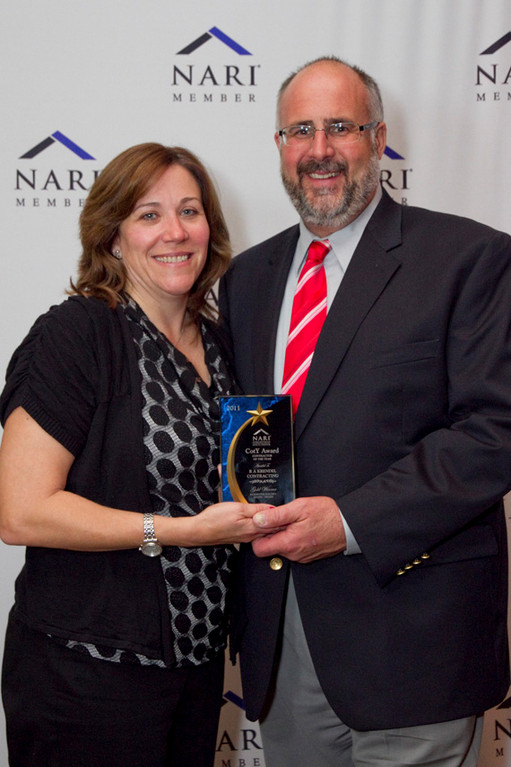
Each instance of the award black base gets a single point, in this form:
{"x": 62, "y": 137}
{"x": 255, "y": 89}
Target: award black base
{"x": 257, "y": 449}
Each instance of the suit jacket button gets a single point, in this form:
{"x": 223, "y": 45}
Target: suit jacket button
{"x": 276, "y": 563}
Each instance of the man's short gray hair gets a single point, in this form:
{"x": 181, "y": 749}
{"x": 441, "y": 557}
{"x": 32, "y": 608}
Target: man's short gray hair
{"x": 374, "y": 100}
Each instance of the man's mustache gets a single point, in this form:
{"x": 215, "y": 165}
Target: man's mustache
{"x": 325, "y": 166}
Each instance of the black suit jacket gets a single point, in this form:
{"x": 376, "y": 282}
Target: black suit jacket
{"x": 405, "y": 420}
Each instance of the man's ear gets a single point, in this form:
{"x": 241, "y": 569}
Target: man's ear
{"x": 381, "y": 139}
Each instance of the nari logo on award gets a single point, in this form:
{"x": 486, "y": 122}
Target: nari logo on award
{"x": 44, "y": 178}
{"x": 214, "y": 69}
{"x": 261, "y": 437}
{"x": 493, "y": 72}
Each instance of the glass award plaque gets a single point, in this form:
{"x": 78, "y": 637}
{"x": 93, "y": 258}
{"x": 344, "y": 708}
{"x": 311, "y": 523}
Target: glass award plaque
{"x": 256, "y": 442}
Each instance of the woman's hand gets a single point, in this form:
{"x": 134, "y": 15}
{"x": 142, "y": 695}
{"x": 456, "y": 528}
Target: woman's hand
{"x": 227, "y": 522}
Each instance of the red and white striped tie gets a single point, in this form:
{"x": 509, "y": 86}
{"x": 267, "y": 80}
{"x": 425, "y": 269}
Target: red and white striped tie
{"x": 307, "y": 318}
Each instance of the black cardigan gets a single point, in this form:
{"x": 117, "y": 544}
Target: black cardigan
{"x": 76, "y": 374}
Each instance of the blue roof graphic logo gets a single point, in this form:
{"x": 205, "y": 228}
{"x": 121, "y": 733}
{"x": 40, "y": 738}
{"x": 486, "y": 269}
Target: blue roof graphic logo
{"x": 497, "y": 45}
{"x": 392, "y": 154}
{"x": 214, "y": 32}
{"x": 231, "y": 697}
{"x": 57, "y": 136}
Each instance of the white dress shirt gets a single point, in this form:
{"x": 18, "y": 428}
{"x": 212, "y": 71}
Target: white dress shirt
{"x": 344, "y": 242}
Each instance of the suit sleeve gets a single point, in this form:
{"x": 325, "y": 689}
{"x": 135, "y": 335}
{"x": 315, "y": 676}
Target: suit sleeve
{"x": 455, "y": 476}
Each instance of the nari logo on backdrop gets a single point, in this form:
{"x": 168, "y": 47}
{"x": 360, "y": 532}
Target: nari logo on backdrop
{"x": 493, "y": 72}
{"x": 396, "y": 177}
{"x": 217, "y": 71}
{"x": 237, "y": 746}
{"x": 49, "y": 181}
{"x": 502, "y": 727}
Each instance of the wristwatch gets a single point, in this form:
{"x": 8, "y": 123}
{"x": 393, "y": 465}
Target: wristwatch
{"x": 150, "y": 545}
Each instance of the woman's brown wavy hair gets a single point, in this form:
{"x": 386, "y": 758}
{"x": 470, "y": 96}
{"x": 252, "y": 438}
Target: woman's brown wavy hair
{"x": 112, "y": 198}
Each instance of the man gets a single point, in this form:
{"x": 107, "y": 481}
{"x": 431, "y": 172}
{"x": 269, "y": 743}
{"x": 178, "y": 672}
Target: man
{"x": 372, "y": 627}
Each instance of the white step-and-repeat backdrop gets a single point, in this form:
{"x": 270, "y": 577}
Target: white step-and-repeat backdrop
{"x": 85, "y": 79}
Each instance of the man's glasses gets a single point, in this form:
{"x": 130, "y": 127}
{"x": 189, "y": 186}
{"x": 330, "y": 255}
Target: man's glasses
{"x": 345, "y": 132}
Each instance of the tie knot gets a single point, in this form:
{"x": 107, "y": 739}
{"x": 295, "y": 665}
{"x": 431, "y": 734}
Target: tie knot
{"x": 317, "y": 251}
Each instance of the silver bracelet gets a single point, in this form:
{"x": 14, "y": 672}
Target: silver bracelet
{"x": 150, "y": 546}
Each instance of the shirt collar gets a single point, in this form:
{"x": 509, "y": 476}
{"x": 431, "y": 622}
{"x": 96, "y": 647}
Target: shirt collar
{"x": 343, "y": 241}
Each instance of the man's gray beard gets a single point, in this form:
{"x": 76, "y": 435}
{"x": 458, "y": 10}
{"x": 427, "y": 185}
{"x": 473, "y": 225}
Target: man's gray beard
{"x": 327, "y": 210}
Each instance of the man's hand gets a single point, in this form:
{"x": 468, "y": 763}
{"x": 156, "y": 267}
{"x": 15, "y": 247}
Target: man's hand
{"x": 312, "y": 529}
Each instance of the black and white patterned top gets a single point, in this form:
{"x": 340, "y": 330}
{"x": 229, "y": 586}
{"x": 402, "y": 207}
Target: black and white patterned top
{"x": 181, "y": 422}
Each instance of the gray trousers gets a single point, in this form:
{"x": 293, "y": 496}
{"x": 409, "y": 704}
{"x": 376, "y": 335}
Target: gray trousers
{"x": 301, "y": 730}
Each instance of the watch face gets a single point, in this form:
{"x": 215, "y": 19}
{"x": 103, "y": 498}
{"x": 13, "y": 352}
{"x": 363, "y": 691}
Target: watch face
{"x": 151, "y": 549}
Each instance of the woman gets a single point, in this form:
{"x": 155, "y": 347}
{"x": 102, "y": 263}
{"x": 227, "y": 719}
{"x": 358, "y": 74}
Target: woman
{"x": 115, "y": 645}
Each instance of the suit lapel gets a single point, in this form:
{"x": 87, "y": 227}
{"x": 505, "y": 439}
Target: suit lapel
{"x": 370, "y": 269}
{"x": 272, "y": 276}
